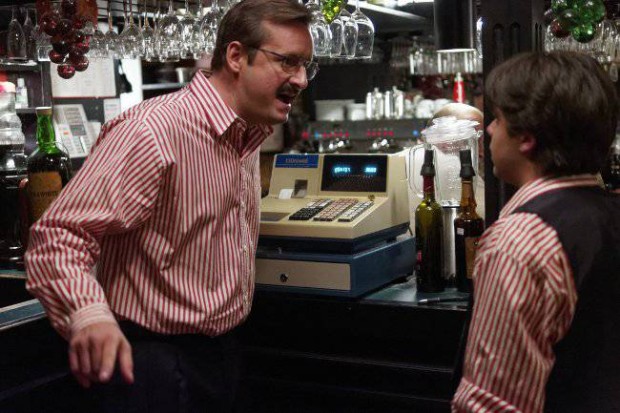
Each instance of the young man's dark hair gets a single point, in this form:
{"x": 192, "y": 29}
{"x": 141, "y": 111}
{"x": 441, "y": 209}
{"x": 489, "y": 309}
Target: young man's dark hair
{"x": 566, "y": 100}
{"x": 243, "y": 23}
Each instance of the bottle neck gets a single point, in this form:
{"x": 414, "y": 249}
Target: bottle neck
{"x": 46, "y": 138}
{"x": 468, "y": 200}
{"x": 428, "y": 184}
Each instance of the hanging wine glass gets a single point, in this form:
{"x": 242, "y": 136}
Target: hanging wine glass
{"x": 42, "y": 41}
{"x": 209, "y": 26}
{"x": 111, "y": 39}
{"x": 15, "y": 39}
{"x": 98, "y": 45}
{"x": 187, "y": 28}
{"x": 197, "y": 40}
{"x": 349, "y": 41}
{"x": 336, "y": 28}
{"x": 365, "y": 33}
{"x": 148, "y": 37}
{"x": 29, "y": 37}
{"x": 170, "y": 36}
{"x": 319, "y": 29}
{"x": 131, "y": 37}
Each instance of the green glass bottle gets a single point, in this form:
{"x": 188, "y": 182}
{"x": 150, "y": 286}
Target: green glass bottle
{"x": 49, "y": 167}
{"x": 428, "y": 233}
{"x": 468, "y": 226}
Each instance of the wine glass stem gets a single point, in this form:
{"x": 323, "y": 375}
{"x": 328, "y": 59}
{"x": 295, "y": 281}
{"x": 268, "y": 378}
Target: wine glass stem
{"x": 357, "y": 6}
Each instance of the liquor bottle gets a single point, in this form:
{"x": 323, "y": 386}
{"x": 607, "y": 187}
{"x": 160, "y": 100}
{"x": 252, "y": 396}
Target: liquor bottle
{"x": 468, "y": 226}
{"x": 49, "y": 167}
{"x": 428, "y": 232}
{"x": 12, "y": 171}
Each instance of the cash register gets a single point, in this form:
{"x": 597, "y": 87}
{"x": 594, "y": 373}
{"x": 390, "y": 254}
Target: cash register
{"x": 334, "y": 224}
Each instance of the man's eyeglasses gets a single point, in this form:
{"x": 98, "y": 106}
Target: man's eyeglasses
{"x": 291, "y": 63}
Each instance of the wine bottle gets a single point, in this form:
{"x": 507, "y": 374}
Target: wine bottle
{"x": 49, "y": 167}
{"x": 428, "y": 232}
{"x": 468, "y": 226}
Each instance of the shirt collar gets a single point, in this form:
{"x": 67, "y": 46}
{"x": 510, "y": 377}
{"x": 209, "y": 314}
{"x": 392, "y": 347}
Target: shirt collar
{"x": 545, "y": 184}
{"x": 219, "y": 114}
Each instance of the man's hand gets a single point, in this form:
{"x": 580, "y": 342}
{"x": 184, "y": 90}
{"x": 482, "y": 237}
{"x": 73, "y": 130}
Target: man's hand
{"x": 93, "y": 352}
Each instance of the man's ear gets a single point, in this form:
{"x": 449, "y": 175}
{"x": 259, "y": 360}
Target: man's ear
{"x": 527, "y": 144}
{"x": 235, "y": 55}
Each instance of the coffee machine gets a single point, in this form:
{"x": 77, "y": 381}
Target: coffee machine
{"x": 446, "y": 137}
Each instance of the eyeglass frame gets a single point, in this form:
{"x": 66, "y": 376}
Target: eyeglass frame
{"x": 293, "y": 67}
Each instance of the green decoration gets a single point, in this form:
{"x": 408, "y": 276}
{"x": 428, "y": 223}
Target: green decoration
{"x": 592, "y": 11}
{"x": 558, "y": 6}
{"x": 584, "y": 32}
{"x": 569, "y": 19}
{"x": 575, "y": 4}
{"x": 331, "y": 9}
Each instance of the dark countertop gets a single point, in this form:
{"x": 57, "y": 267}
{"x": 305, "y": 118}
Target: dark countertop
{"x": 401, "y": 294}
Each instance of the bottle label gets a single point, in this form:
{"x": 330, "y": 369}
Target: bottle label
{"x": 471, "y": 246}
{"x": 43, "y": 188}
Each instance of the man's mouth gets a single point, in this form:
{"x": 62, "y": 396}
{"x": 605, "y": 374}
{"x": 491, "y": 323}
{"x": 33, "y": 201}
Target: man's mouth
{"x": 286, "y": 98}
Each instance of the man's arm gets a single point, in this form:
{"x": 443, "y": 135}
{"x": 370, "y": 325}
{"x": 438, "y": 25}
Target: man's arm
{"x": 522, "y": 307}
{"x": 114, "y": 192}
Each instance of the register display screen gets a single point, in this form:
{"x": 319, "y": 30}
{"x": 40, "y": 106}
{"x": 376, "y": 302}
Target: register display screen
{"x": 354, "y": 173}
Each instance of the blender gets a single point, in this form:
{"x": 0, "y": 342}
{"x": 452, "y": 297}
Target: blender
{"x": 446, "y": 136}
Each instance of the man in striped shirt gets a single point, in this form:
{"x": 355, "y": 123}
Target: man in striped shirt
{"x": 545, "y": 331}
{"x": 146, "y": 259}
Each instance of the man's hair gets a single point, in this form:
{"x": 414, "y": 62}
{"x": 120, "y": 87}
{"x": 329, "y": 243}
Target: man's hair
{"x": 243, "y": 23}
{"x": 563, "y": 99}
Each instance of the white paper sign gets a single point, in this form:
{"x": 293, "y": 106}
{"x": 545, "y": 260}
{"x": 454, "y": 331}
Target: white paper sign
{"x": 73, "y": 130}
{"x": 96, "y": 81}
{"x": 111, "y": 109}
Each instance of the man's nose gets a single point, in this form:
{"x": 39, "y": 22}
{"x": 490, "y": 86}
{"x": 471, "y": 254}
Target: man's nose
{"x": 300, "y": 78}
{"x": 490, "y": 128}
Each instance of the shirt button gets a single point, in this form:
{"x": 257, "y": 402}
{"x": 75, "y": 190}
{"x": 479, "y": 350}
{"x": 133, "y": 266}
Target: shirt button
{"x": 245, "y": 248}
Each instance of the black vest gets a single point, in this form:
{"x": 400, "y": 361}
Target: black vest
{"x": 586, "y": 375}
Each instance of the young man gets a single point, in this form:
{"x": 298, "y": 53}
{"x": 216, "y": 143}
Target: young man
{"x": 146, "y": 260}
{"x": 545, "y": 331}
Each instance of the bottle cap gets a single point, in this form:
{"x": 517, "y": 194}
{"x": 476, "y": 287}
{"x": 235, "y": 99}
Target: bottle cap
{"x": 44, "y": 110}
{"x": 20, "y": 82}
{"x": 467, "y": 169}
{"x": 428, "y": 167}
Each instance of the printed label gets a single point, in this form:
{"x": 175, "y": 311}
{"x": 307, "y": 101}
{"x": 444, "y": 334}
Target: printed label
{"x": 43, "y": 188}
{"x": 471, "y": 246}
{"x": 297, "y": 161}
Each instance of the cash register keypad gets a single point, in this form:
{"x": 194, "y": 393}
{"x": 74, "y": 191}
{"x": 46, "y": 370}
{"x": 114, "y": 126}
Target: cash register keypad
{"x": 310, "y": 210}
{"x": 326, "y": 210}
{"x": 335, "y": 209}
{"x": 354, "y": 211}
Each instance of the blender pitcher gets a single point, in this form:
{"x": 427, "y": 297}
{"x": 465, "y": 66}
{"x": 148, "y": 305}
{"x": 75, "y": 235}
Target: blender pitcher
{"x": 446, "y": 136}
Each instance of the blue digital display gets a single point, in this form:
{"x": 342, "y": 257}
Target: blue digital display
{"x": 370, "y": 170}
{"x": 340, "y": 170}
{"x": 354, "y": 173}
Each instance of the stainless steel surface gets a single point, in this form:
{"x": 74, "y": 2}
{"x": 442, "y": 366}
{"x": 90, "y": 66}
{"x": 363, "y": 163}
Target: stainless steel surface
{"x": 449, "y": 260}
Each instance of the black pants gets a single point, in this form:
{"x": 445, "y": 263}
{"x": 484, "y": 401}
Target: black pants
{"x": 173, "y": 374}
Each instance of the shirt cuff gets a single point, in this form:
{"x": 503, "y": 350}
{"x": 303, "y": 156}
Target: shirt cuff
{"x": 92, "y": 314}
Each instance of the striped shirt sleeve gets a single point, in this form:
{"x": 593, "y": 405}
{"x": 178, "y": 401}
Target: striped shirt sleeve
{"x": 115, "y": 191}
{"x": 524, "y": 302}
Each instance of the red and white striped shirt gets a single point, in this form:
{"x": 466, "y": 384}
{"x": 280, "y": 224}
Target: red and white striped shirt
{"x": 524, "y": 304}
{"x": 167, "y": 207}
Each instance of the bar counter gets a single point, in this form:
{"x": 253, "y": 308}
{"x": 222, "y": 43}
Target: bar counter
{"x": 384, "y": 352}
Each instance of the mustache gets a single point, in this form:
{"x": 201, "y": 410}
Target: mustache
{"x": 288, "y": 89}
